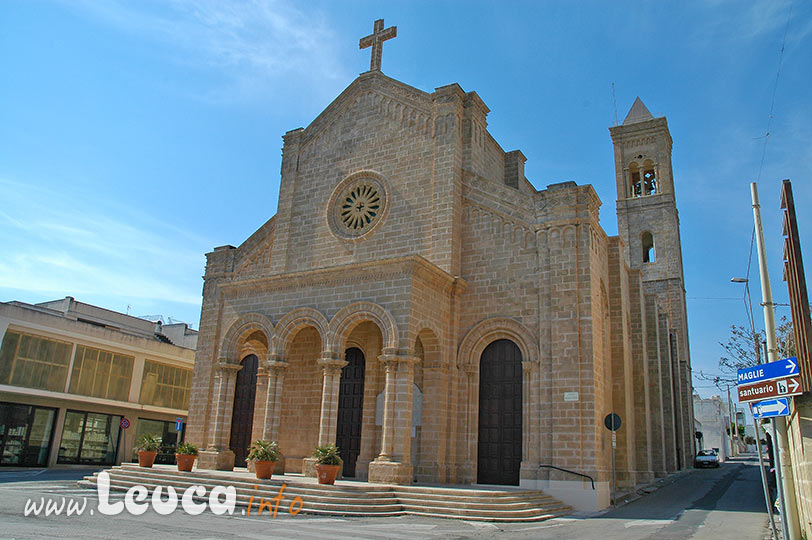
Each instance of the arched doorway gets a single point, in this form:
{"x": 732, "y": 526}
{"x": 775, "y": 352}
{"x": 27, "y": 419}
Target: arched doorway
{"x": 499, "y": 455}
{"x": 351, "y": 409}
{"x": 242, "y": 417}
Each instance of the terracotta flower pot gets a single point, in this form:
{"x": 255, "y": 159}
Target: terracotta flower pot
{"x": 185, "y": 462}
{"x": 146, "y": 459}
{"x": 327, "y": 473}
{"x": 264, "y": 469}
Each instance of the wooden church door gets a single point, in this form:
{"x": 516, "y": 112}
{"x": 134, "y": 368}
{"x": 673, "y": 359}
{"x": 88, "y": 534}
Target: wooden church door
{"x": 351, "y": 409}
{"x": 499, "y": 454}
{"x": 242, "y": 416}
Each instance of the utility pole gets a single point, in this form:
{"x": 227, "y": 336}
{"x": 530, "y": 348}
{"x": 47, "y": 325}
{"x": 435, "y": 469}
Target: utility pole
{"x": 789, "y": 511}
{"x": 730, "y": 420}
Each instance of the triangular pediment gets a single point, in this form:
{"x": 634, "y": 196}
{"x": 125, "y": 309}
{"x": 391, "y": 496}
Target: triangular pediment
{"x": 387, "y": 96}
{"x": 253, "y": 258}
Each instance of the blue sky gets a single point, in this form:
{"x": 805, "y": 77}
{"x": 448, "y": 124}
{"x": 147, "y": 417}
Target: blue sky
{"x": 136, "y": 136}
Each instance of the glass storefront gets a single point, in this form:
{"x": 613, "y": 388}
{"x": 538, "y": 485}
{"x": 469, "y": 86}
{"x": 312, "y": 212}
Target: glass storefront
{"x": 169, "y": 438}
{"x": 25, "y": 434}
{"x": 89, "y": 438}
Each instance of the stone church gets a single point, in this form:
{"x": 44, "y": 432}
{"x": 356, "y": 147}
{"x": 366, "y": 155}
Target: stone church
{"x": 417, "y": 302}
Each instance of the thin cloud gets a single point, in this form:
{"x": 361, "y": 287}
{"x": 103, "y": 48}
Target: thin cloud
{"x": 62, "y": 243}
{"x": 256, "y": 44}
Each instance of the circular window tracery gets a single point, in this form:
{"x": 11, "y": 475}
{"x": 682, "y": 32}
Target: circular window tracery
{"x": 361, "y": 207}
{"x": 358, "y": 205}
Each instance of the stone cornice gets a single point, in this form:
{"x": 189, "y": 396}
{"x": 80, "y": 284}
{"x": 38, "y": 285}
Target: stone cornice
{"x": 412, "y": 265}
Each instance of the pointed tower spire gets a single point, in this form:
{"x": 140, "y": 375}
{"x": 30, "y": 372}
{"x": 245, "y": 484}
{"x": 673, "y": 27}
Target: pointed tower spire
{"x": 638, "y": 113}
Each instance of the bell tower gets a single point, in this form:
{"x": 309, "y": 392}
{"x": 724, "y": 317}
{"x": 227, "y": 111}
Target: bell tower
{"x": 648, "y": 224}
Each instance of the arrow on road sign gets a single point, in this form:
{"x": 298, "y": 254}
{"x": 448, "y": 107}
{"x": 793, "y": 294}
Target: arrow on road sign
{"x": 788, "y": 386}
{"x": 771, "y": 407}
{"x": 767, "y": 372}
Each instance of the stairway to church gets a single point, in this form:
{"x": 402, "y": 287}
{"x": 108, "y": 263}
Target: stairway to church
{"x": 347, "y": 498}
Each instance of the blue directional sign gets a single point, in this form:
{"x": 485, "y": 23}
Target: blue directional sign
{"x": 767, "y": 372}
{"x": 178, "y": 424}
{"x": 771, "y": 407}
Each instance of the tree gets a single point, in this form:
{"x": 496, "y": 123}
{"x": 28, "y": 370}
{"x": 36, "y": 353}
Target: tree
{"x": 740, "y": 349}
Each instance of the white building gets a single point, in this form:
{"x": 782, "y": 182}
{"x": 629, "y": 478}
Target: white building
{"x": 714, "y": 416}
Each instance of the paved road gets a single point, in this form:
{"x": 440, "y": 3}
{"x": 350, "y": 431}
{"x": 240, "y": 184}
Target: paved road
{"x": 717, "y": 504}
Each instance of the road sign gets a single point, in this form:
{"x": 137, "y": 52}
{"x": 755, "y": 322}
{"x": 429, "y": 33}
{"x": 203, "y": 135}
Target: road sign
{"x": 771, "y": 407}
{"x": 124, "y": 423}
{"x": 612, "y": 422}
{"x": 178, "y": 424}
{"x": 788, "y": 386}
{"x": 768, "y": 372}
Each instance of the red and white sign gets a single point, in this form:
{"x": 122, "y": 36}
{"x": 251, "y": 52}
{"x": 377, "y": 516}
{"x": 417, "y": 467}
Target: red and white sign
{"x": 788, "y": 386}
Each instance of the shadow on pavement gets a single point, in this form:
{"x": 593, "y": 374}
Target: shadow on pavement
{"x": 43, "y": 475}
{"x": 700, "y": 489}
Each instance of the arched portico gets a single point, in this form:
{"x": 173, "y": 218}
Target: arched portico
{"x": 250, "y": 334}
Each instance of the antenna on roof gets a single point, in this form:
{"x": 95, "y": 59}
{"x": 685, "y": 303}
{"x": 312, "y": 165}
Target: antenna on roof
{"x": 614, "y": 101}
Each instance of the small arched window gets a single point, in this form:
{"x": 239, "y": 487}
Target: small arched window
{"x": 648, "y": 247}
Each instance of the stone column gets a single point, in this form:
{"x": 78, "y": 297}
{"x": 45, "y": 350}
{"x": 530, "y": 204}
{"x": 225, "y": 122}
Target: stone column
{"x": 393, "y": 465}
{"x": 217, "y": 454}
{"x": 331, "y": 367}
{"x": 472, "y": 417}
{"x": 273, "y": 398}
{"x": 530, "y": 411}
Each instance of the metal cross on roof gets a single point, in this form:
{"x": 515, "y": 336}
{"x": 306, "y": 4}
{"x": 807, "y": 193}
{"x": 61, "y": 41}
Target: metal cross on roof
{"x": 375, "y": 40}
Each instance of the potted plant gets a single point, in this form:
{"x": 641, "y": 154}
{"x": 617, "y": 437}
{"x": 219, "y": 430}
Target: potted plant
{"x": 185, "y": 453}
{"x": 327, "y": 463}
{"x": 264, "y": 454}
{"x": 147, "y": 446}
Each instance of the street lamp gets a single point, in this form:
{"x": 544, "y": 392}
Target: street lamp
{"x": 748, "y": 306}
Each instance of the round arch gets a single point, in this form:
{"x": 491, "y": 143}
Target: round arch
{"x": 490, "y": 330}
{"x": 352, "y": 315}
{"x": 293, "y": 321}
{"x": 241, "y": 329}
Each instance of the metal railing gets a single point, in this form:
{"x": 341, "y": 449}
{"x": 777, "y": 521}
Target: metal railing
{"x": 570, "y": 472}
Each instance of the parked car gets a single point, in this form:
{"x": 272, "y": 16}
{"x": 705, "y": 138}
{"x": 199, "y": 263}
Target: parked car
{"x": 706, "y": 458}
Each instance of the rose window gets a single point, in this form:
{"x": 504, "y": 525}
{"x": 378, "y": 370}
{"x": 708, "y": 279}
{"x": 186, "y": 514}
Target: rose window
{"x": 360, "y": 207}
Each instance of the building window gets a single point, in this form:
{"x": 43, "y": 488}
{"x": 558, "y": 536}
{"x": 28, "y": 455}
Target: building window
{"x": 643, "y": 180}
{"x": 89, "y": 438}
{"x": 25, "y": 434}
{"x": 170, "y": 437}
{"x": 634, "y": 180}
{"x": 649, "y": 178}
{"x": 648, "y": 247}
{"x": 166, "y": 386}
{"x": 34, "y": 362}
{"x": 101, "y": 374}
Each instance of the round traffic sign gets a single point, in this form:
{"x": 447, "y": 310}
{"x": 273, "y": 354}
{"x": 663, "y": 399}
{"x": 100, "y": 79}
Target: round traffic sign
{"x": 124, "y": 423}
{"x": 612, "y": 422}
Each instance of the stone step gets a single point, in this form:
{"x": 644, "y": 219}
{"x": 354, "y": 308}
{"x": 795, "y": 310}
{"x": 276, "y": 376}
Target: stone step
{"x": 257, "y": 488}
{"x": 371, "y": 500}
{"x": 334, "y": 507}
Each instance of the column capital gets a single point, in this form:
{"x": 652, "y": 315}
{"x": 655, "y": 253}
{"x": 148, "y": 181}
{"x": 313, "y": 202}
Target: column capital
{"x": 330, "y": 363}
{"x": 277, "y": 366}
{"x": 224, "y": 366}
{"x": 387, "y": 358}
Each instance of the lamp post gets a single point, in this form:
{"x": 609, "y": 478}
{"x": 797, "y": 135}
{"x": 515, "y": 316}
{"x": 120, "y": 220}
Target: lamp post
{"x": 749, "y": 308}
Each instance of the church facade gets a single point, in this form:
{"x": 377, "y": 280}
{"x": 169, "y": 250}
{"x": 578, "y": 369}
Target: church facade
{"x": 417, "y": 302}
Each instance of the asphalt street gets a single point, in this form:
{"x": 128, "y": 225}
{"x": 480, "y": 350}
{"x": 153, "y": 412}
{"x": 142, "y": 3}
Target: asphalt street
{"x": 718, "y": 504}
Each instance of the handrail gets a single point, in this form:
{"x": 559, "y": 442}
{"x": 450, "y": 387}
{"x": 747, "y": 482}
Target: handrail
{"x": 569, "y": 471}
